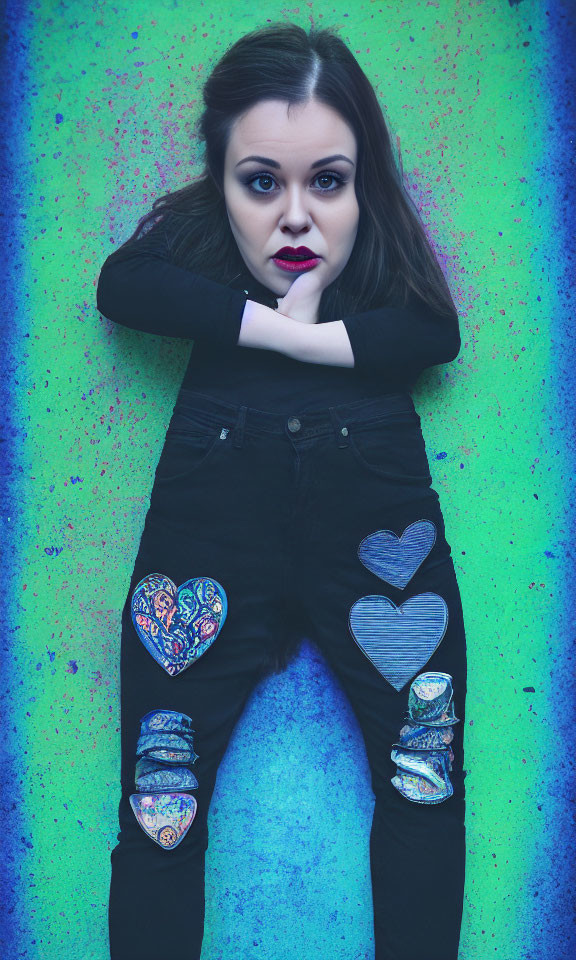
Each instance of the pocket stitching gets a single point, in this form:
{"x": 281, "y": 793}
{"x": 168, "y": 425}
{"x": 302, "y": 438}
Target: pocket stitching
{"x": 382, "y": 472}
{"x": 183, "y": 437}
{"x": 409, "y": 416}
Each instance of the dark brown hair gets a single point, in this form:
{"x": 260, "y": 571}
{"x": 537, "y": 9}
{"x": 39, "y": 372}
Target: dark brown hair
{"x": 392, "y": 259}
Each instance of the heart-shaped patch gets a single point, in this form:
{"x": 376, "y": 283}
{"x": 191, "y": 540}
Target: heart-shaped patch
{"x": 399, "y": 641}
{"x": 396, "y": 559}
{"x": 178, "y": 625}
{"x": 165, "y": 817}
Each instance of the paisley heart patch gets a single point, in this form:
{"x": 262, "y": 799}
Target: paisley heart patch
{"x": 178, "y": 625}
{"x": 396, "y": 559}
{"x": 165, "y": 817}
{"x": 399, "y": 640}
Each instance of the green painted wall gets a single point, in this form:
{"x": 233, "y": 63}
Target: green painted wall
{"x": 101, "y": 121}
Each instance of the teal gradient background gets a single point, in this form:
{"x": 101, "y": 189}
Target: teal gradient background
{"x": 99, "y": 111}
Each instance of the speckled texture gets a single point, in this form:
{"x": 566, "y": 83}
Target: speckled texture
{"x": 98, "y": 121}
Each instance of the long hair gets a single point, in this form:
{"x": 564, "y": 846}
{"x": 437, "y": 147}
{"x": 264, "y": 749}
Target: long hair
{"x": 392, "y": 259}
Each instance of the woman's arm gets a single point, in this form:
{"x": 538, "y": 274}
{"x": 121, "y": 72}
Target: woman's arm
{"x": 268, "y": 329}
{"x": 393, "y": 340}
{"x": 402, "y": 341}
{"x": 140, "y": 288}
{"x": 390, "y": 341}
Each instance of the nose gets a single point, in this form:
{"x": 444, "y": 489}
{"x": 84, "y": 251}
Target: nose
{"x": 296, "y": 215}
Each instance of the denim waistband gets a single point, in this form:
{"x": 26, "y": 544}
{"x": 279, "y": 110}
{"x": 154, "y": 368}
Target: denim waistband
{"x": 299, "y": 425}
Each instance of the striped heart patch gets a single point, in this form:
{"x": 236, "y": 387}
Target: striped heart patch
{"x": 399, "y": 641}
{"x": 396, "y": 559}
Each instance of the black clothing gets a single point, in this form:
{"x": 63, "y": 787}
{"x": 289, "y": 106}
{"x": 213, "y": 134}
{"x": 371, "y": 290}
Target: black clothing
{"x": 272, "y": 473}
{"x": 275, "y": 512}
{"x": 140, "y": 288}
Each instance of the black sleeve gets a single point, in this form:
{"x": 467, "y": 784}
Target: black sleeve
{"x": 140, "y": 288}
{"x": 402, "y": 341}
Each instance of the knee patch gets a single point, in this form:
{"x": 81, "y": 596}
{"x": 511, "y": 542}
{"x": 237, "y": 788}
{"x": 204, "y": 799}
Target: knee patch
{"x": 422, "y": 754}
{"x": 165, "y": 809}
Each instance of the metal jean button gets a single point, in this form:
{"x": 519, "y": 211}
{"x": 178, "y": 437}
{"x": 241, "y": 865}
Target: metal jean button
{"x": 294, "y": 424}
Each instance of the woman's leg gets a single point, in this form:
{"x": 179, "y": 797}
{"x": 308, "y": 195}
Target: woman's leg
{"x": 417, "y": 849}
{"x": 223, "y": 519}
{"x": 156, "y": 905}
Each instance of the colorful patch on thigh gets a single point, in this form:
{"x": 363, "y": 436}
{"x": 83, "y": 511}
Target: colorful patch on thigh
{"x": 399, "y": 640}
{"x": 178, "y": 624}
{"x": 396, "y": 559}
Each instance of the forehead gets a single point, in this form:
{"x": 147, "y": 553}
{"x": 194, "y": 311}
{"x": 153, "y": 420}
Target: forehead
{"x": 307, "y": 133}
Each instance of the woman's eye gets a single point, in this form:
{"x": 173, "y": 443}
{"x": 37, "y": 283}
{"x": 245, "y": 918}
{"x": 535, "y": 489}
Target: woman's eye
{"x": 260, "y": 176}
{"x": 332, "y": 176}
{"x": 266, "y": 177}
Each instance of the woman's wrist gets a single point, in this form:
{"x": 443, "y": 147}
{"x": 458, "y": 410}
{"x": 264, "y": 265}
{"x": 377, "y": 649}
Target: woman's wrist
{"x": 266, "y": 329}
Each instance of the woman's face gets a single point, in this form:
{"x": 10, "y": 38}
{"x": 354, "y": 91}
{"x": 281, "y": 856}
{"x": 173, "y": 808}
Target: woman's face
{"x": 296, "y": 193}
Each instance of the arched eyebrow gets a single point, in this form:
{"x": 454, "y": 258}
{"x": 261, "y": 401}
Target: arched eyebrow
{"x": 319, "y": 163}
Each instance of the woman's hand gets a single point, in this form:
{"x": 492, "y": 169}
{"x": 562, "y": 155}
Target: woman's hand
{"x": 269, "y": 329}
{"x": 302, "y": 301}
{"x": 276, "y": 329}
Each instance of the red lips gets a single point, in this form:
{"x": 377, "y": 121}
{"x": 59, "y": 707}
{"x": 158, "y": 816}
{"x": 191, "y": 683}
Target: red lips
{"x": 295, "y": 252}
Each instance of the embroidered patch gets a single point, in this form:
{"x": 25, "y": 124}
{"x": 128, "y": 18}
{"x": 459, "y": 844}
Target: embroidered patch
{"x": 414, "y": 737}
{"x": 419, "y": 789}
{"x": 165, "y": 817}
{"x": 430, "y": 765}
{"x": 169, "y": 747}
{"x": 430, "y": 700}
{"x": 172, "y": 721}
{"x": 396, "y": 559}
{"x": 161, "y": 807}
{"x": 178, "y": 625}
{"x": 399, "y": 640}
{"x": 154, "y": 776}
{"x": 423, "y": 756}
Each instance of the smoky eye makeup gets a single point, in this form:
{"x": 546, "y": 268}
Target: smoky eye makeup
{"x": 338, "y": 181}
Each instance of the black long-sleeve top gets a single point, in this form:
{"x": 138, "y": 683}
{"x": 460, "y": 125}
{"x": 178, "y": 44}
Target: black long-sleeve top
{"x": 139, "y": 287}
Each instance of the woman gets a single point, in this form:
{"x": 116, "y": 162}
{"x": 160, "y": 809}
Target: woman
{"x": 293, "y": 495}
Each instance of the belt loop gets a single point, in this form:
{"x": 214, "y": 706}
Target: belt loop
{"x": 340, "y": 432}
{"x": 239, "y": 427}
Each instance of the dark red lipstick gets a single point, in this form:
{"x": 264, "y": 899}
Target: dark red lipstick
{"x": 295, "y": 258}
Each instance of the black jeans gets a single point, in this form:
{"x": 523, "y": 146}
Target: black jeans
{"x": 275, "y": 508}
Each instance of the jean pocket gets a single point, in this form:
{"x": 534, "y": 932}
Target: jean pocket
{"x": 392, "y": 447}
{"x": 190, "y": 443}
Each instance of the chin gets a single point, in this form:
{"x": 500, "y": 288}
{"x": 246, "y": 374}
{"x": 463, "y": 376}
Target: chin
{"x": 275, "y": 284}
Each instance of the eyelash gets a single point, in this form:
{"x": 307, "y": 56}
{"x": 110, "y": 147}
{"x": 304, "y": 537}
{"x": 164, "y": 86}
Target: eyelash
{"x": 340, "y": 182}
